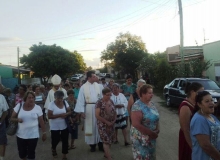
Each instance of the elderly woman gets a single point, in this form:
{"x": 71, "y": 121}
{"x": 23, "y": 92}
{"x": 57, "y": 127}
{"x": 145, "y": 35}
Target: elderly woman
{"x": 120, "y": 103}
{"x": 28, "y": 115}
{"x": 135, "y": 96}
{"x": 106, "y": 117}
{"x": 58, "y": 110}
{"x": 205, "y": 129}
{"x": 19, "y": 97}
{"x": 186, "y": 111}
{"x": 145, "y": 125}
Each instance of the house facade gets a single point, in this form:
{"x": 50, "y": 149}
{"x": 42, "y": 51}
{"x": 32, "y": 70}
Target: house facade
{"x": 9, "y": 75}
{"x": 211, "y": 51}
{"x": 189, "y": 52}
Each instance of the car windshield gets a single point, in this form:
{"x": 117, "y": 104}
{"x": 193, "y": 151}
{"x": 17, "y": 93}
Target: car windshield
{"x": 208, "y": 85}
{"x": 75, "y": 76}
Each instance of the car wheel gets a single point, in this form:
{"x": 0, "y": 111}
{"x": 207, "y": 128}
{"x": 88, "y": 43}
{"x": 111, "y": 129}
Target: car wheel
{"x": 168, "y": 101}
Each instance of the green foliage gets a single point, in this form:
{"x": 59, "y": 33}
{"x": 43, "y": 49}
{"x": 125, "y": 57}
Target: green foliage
{"x": 47, "y": 60}
{"x": 125, "y": 53}
{"x": 104, "y": 69}
{"x": 159, "y": 70}
{"x": 193, "y": 68}
{"x": 89, "y": 68}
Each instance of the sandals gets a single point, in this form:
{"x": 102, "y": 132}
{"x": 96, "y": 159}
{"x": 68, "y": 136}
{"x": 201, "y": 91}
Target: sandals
{"x": 107, "y": 157}
{"x": 72, "y": 147}
{"x": 54, "y": 153}
{"x": 127, "y": 144}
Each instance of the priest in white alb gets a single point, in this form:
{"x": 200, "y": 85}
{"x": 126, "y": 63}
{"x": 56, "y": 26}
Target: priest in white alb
{"x": 56, "y": 81}
{"x": 89, "y": 94}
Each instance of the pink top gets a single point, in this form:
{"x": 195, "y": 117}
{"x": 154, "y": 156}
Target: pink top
{"x": 18, "y": 99}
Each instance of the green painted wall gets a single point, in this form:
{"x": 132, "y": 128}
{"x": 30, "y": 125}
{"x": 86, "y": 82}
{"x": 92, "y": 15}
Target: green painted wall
{"x": 211, "y": 52}
{"x": 6, "y": 72}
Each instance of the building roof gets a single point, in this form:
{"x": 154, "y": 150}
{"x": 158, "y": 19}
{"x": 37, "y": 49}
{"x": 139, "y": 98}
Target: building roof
{"x": 16, "y": 68}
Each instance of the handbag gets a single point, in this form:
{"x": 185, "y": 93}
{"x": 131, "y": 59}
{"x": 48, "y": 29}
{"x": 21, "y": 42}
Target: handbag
{"x": 13, "y": 126}
{"x": 70, "y": 125}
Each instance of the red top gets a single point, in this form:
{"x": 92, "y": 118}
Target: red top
{"x": 184, "y": 149}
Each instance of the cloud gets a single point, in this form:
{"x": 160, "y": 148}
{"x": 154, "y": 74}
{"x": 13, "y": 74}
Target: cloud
{"x": 10, "y": 39}
{"x": 89, "y": 50}
{"x": 94, "y": 63}
{"x": 87, "y": 39}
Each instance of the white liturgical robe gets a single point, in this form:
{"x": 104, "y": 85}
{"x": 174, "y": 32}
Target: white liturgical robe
{"x": 89, "y": 94}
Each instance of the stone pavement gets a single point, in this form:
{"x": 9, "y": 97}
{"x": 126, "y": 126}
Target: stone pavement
{"x": 167, "y": 143}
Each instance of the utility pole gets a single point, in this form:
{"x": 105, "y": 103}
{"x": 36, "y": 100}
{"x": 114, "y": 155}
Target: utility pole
{"x": 181, "y": 30}
{"x": 204, "y": 36}
{"x": 18, "y": 66}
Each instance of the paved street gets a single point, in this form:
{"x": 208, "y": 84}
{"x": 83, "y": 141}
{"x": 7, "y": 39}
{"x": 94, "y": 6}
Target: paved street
{"x": 167, "y": 143}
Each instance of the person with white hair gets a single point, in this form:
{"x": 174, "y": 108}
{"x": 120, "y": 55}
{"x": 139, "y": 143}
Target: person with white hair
{"x": 56, "y": 81}
{"x": 120, "y": 103}
{"x": 135, "y": 96}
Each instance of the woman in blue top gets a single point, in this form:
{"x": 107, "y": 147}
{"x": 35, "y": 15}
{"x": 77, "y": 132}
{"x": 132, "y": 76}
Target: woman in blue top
{"x": 145, "y": 125}
{"x": 205, "y": 129}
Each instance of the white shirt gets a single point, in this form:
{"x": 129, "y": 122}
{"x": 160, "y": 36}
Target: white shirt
{"x": 3, "y": 105}
{"x": 29, "y": 128}
{"x": 120, "y": 99}
{"x": 81, "y": 102}
{"x": 57, "y": 123}
{"x": 50, "y": 97}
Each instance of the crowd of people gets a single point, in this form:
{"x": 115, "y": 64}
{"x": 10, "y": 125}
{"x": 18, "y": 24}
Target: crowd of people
{"x": 103, "y": 108}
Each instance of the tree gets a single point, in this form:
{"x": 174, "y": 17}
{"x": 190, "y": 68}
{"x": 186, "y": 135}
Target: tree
{"x": 159, "y": 71}
{"x": 125, "y": 53}
{"x": 193, "y": 68}
{"x": 79, "y": 65}
{"x": 89, "y": 68}
{"x": 47, "y": 60}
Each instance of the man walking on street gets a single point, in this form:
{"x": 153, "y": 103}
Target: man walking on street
{"x": 3, "y": 113}
{"x": 89, "y": 94}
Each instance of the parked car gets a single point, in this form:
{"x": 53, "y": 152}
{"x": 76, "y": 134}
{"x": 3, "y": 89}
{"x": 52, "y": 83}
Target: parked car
{"x": 75, "y": 77}
{"x": 108, "y": 75}
{"x": 174, "y": 91}
{"x": 102, "y": 74}
{"x": 80, "y": 75}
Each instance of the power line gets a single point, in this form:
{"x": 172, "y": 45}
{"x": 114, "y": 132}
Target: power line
{"x": 49, "y": 39}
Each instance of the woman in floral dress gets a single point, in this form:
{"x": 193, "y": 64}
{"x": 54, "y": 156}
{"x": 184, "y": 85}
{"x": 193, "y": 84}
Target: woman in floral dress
{"x": 145, "y": 125}
{"x": 106, "y": 117}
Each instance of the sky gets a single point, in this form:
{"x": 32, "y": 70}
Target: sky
{"x": 89, "y": 26}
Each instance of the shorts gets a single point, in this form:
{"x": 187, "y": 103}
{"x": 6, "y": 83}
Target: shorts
{"x": 74, "y": 134}
{"x": 3, "y": 137}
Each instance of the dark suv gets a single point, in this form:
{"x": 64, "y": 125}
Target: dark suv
{"x": 174, "y": 91}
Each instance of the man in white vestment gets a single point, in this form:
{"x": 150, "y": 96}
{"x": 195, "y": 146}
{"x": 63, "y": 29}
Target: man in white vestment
{"x": 89, "y": 94}
{"x": 56, "y": 81}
